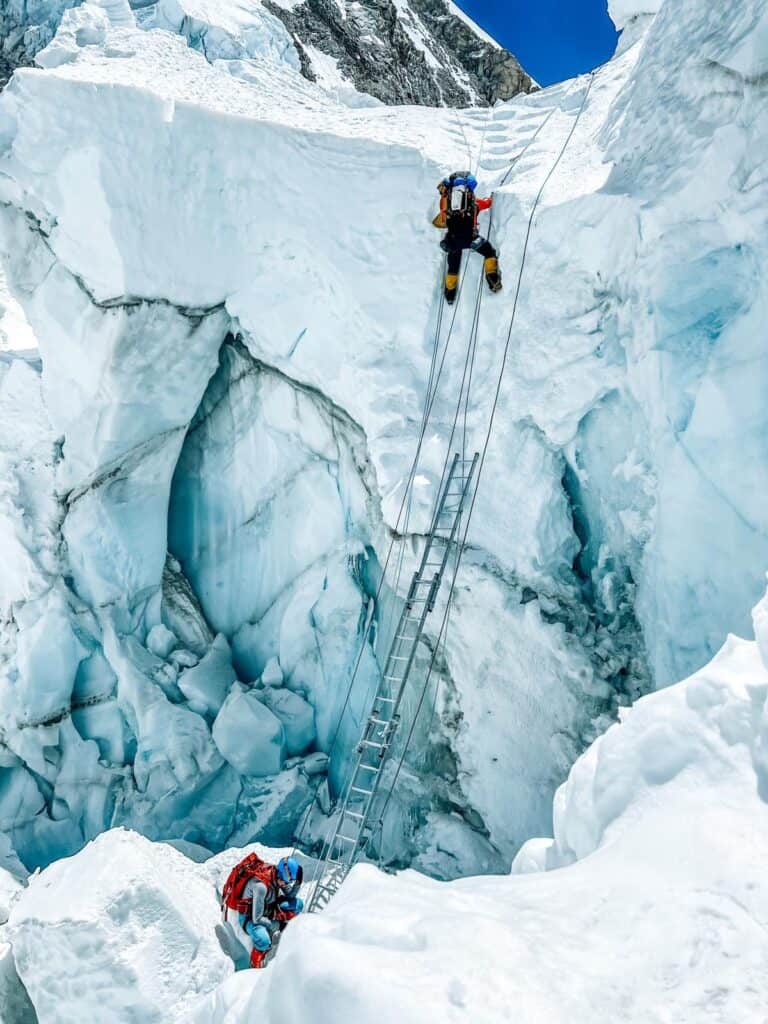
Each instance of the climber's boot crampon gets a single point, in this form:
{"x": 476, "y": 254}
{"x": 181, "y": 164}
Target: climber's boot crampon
{"x": 493, "y": 274}
{"x": 451, "y": 284}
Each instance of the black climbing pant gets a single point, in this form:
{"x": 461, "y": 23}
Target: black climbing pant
{"x": 479, "y": 244}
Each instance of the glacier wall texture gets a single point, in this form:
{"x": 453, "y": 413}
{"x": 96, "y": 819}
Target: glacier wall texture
{"x": 233, "y": 282}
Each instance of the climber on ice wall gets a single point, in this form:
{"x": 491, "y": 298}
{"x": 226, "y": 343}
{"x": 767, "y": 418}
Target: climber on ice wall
{"x": 265, "y": 898}
{"x": 459, "y": 208}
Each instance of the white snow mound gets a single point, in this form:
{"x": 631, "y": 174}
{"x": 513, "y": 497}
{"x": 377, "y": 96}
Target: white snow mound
{"x": 124, "y": 931}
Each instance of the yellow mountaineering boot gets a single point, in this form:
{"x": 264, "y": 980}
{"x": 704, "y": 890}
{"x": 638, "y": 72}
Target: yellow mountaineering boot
{"x": 451, "y": 284}
{"x": 493, "y": 274}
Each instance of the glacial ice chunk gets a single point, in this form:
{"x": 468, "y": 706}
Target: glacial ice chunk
{"x": 206, "y": 684}
{"x": 104, "y": 724}
{"x": 272, "y": 674}
{"x": 248, "y": 734}
{"x": 48, "y": 656}
{"x": 181, "y": 611}
{"x": 161, "y": 641}
{"x": 229, "y": 29}
{"x": 269, "y": 809}
{"x": 297, "y": 716}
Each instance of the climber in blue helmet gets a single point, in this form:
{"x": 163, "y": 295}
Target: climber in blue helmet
{"x": 265, "y": 898}
{"x": 289, "y": 874}
{"x": 459, "y": 207}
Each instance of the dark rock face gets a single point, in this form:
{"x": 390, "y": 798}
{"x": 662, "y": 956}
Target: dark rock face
{"x": 381, "y": 47}
{"x": 496, "y": 73}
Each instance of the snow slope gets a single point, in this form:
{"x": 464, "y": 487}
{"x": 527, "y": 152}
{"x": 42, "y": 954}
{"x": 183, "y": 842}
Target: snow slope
{"x": 131, "y": 922}
{"x": 234, "y": 294}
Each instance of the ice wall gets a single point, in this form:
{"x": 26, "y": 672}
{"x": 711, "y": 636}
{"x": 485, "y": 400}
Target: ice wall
{"x": 235, "y": 297}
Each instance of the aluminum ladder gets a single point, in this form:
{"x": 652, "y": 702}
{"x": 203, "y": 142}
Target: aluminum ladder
{"x": 356, "y": 818}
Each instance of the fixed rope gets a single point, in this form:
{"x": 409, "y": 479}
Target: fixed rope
{"x": 443, "y": 483}
{"x": 429, "y": 402}
{"x": 398, "y": 532}
{"x": 484, "y": 452}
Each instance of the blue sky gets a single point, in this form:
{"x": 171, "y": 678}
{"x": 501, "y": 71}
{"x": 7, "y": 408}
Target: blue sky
{"x": 552, "y": 39}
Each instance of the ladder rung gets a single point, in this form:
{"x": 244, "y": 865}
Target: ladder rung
{"x": 368, "y": 768}
{"x": 373, "y": 743}
{"x": 386, "y": 700}
{"x": 357, "y": 789}
{"x": 346, "y": 839}
{"x": 353, "y": 814}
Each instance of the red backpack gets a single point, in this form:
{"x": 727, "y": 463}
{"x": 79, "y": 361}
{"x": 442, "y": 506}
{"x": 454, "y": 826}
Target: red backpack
{"x": 250, "y": 867}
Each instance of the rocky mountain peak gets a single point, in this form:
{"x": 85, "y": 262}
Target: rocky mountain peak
{"x": 405, "y": 51}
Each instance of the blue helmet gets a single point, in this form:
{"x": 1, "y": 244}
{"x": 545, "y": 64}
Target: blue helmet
{"x": 289, "y": 871}
{"x": 467, "y": 180}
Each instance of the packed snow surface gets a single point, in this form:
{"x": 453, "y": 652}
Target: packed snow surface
{"x": 131, "y": 923}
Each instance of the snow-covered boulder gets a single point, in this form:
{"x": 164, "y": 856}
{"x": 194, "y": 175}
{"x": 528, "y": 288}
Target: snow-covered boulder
{"x": 248, "y": 734}
{"x": 123, "y": 931}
